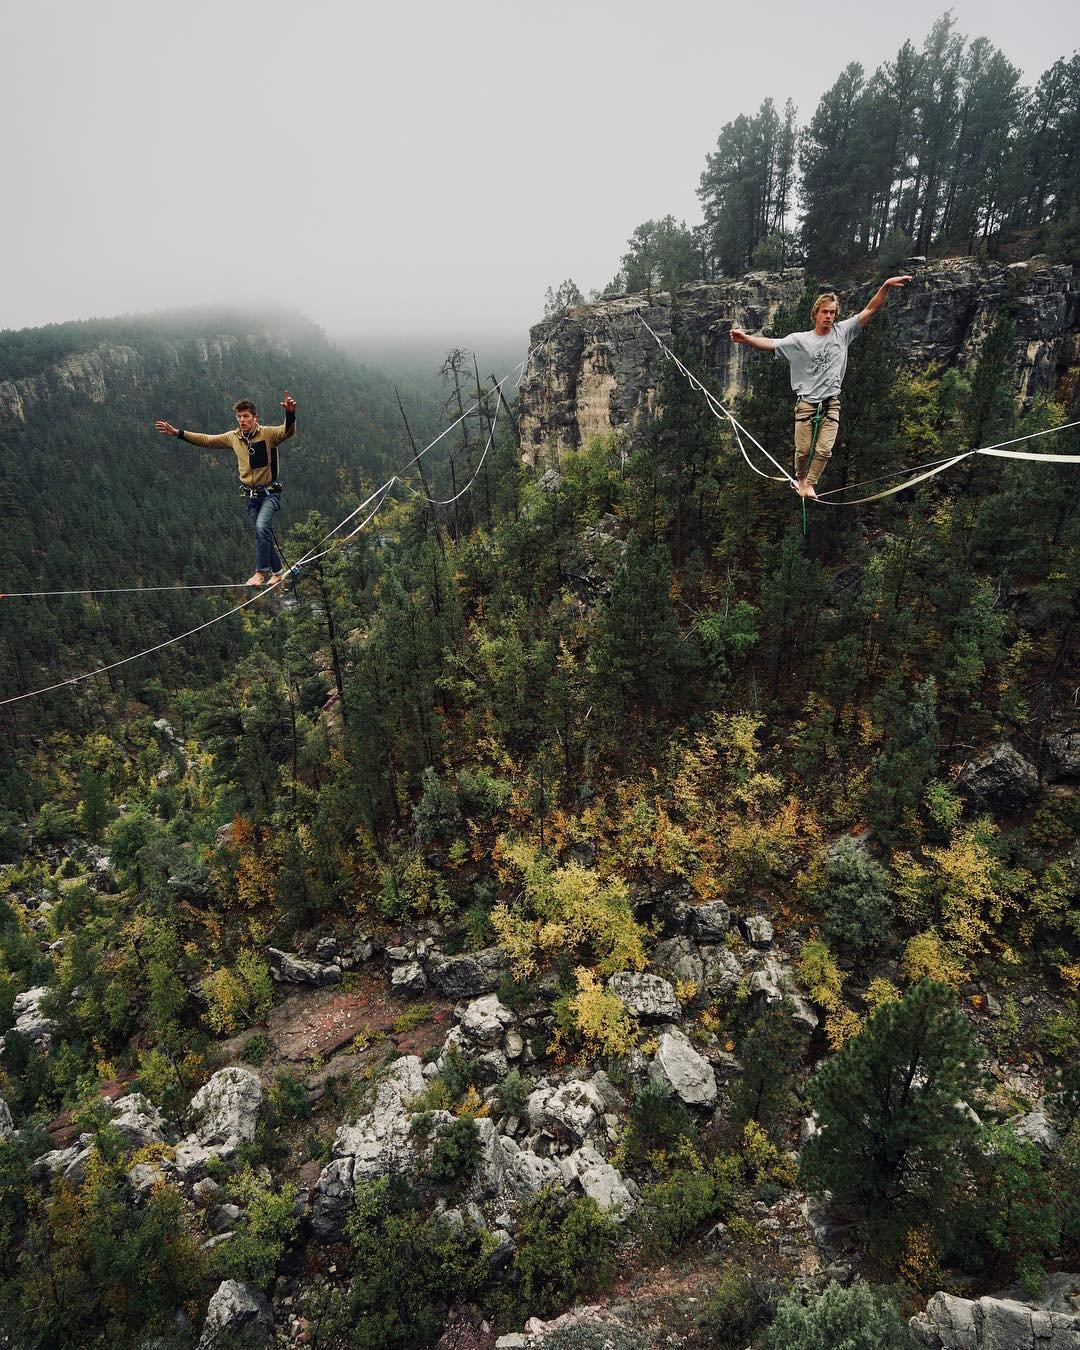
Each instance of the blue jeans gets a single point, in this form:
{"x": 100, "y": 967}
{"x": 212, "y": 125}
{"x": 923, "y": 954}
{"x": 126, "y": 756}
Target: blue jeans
{"x": 261, "y": 513}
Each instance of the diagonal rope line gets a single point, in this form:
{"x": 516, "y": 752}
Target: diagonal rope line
{"x": 718, "y": 408}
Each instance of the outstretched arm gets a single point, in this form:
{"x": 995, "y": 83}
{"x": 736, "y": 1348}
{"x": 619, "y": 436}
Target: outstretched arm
{"x": 893, "y": 283}
{"x": 762, "y": 344}
{"x": 220, "y": 442}
{"x": 289, "y": 404}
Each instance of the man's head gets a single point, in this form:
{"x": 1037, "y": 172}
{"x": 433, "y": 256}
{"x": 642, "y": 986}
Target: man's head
{"x": 826, "y": 307}
{"x": 245, "y": 415}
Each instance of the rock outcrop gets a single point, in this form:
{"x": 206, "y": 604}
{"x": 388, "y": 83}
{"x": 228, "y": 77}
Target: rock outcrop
{"x": 599, "y": 371}
{"x": 951, "y": 1323}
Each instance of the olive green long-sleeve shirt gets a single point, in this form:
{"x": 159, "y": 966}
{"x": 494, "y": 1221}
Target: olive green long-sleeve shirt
{"x": 256, "y": 455}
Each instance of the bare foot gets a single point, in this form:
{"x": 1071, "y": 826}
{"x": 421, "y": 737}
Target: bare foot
{"x": 256, "y": 580}
{"x": 276, "y": 577}
{"x": 808, "y": 491}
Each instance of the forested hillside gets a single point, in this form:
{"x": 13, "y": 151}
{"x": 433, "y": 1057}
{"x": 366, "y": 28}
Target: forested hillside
{"x": 92, "y": 497}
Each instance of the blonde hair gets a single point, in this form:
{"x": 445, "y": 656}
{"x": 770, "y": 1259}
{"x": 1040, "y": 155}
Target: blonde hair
{"x": 825, "y": 298}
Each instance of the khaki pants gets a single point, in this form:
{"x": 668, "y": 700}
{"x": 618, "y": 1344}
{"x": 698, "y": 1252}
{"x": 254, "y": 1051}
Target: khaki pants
{"x": 804, "y": 435}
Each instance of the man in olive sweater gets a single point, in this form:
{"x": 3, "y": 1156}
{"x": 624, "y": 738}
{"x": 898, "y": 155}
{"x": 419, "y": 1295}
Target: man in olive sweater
{"x": 255, "y": 448}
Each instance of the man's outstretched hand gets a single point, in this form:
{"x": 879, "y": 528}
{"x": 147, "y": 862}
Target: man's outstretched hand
{"x": 738, "y": 335}
{"x": 893, "y": 282}
{"x": 288, "y": 402}
{"x": 167, "y": 429}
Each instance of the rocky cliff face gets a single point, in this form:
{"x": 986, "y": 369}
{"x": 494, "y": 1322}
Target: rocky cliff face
{"x": 114, "y": 367}
{"x": 600, "y": 370}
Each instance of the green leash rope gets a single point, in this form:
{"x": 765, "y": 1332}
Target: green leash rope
{"x": 818, "y": 418}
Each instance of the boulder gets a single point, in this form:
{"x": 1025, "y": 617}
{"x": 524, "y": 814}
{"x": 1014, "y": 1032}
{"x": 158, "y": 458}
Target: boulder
{"x": 680, "y": 961}
{"x": 380, "y": 1142}
{"x": 331, "y": 1200}
{"x": 722, "y": 971}
{"x": 138, "y": 1121}
{"x": 69, "y": 1163}
{"x": 650, "y": 997}
{"x": 225, "y": 1112}
{"x": 408, "y": 978}
{"x": 30, "y": 1021}
{"x": 1064, "y": 757}
{"x": 525, "y": 1173}
{"x": 288, "y": 968}
{"x": 238, "y": 1315}
{"x": 757, "y": 930}
{"x": 600, "y": 1180}
{"x": 952, "y": 1323}
{"x": 468, "y": 975}
{"x": 7, "y": 1125}
{"x": 144, "y": 1178}
{"x": 226, "y": 1109}
{"x": 571, "y": 1112}
{"x": 689, "y": 1075}
{"x": 485, "y": 1020}
{"x": 1002, "y": 779}
{"x": 773, "y": 983}
{"x": 709, "y": 923}
{"x": 1036, "y": 1128}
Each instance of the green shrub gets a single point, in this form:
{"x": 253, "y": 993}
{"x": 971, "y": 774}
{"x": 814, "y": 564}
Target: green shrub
{"x": 288, "y": 1097}
{"x": 436, "y": 814}
{"x": 1008, "y": 1222}
{"x": 892, "y": 1150}
{"x": 678, "y": 1209}
{"x": 265, "y": 1230}
{"x": 512, "y": 1094}
{"x": 770, "y": 1050}
{"x": 855, "y": 899}
{"x": 840, "y": 1319}
{"x": 737, "y": 1307}
{"x": 657, "y": 1121}
{"x": 456, "y": 1151}
{"x": 565, "y": 1249}
{"x": 405, "y": 1266}
{"x": 256, "y": 1049}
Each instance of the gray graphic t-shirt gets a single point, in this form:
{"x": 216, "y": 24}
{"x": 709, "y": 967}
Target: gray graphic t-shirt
{"x": 818, "y": 364}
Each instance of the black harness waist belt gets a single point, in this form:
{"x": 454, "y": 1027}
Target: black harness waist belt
{"x": 258, "y": 493}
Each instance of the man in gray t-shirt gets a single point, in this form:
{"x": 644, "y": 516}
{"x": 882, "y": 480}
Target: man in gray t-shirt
{"x": 818, "y": 361}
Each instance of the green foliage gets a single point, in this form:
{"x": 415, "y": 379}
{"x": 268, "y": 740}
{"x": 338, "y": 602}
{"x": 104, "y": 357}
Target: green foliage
{"x": 456, "y": 1151}
{"x": 565, "y": 1249}
{"x": 679, "y": 1208}
{"x": 908, "y": 755}
{"x": 770, "y": 1051}
{"x": 240, "y": 994}
{"x": 1008, "y": 1221}
{"x": 657, "y": 1123}
{"x": 735, "y": 1309}
{"x": 436, "y": 815}
{"x": 890, "y": 1134}
{"x": 855, "y": 899}
{"x": 841, "y": 1319}
{"x": 256, "y": 1049}
{"x": 96, "y": 1270}
{"x": 512, "y": 1093}
{"x": 569, "y": 911}
{"x": 265, "y": 1231}
{"x": 405, "y": 1267}
{"x": 288, "y": 1097}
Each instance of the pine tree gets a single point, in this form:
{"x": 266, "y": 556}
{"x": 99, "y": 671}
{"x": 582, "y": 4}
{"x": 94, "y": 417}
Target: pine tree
{"x": 890, "y": 1130}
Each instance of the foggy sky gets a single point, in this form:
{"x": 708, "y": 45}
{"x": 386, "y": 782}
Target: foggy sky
{"x": 409, "y": 170}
